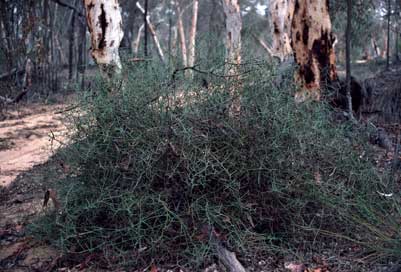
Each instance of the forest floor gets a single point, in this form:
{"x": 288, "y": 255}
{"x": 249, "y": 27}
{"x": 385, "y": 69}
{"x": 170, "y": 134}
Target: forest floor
{"x": 30, "y": 135}
{"x": 25, "y": 137}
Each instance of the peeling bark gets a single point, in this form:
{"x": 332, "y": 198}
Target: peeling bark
{"x": 105, "y": 26}
{"x": 313, "y": 42}
{"x": 281, "y": 12}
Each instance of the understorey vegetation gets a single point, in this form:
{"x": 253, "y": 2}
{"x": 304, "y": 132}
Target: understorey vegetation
{"x": 160, "y": 169}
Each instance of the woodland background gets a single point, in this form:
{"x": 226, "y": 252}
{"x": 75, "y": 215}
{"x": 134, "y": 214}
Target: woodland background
{"x": 185, "y": 158}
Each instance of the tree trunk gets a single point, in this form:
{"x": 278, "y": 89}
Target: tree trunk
{"x": 385, "y": 46}
{"x": 174, "y": 47}
{"x": 397, "y": 38}
{"x": 170, "y": 32}
{"x": 388, "y": 34}
{"x": 181, "y": 33}
{"x": 192, "y": 35}
{"x": 105, "y": 26}
{"x": 281, "y": 12}
{"x": 81, "y": 54}
{"x": 233, "y": 35}
{"x": 136, "y": 42}
{"x": 7, "y": 33}
{"x": 233, "y": 49}
{"x": 375, "y": 48}
{"x": 52, "y": 58}
{"x": 145, "y": 22}
{"x": 71, "y": 47}
{"x": 153, "y": 33}
{"x": 366, "y": 53}
{"x": 348, "y": 58}
{"x": 313, "y": 46}
{"x": 397, "y": 32}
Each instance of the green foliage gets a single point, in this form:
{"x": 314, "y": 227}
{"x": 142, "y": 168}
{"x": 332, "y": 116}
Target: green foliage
{"x": 365, "y": 23}
{"x": 156, "y": 164}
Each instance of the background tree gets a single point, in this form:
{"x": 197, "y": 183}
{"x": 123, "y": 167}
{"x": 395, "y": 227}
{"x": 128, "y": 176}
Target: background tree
{"x": 388, "y": 34}
{"x": 233, "y": 47}
{"x": 313, "y": 45}
{"x": 348, "y": 58}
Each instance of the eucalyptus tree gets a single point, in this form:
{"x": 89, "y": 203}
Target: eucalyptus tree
{"x": 105, "y": 26}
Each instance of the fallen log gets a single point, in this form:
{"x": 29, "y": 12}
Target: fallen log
{"x": 383, "y": 103}
{"x": 337, "y": 94}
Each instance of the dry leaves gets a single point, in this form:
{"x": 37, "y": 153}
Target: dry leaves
{"x": 295, "y": 267}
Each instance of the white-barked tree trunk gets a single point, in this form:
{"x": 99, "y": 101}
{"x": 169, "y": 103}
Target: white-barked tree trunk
{"x": 233, "y": 50}
{"x": 105, "y": 27}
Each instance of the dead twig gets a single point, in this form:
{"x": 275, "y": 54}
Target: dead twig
{"x": 228, "y": 258}
{"x": 67, "y": 109}
{"x": 138, "y": 60}
{"x": 193, "y": 68}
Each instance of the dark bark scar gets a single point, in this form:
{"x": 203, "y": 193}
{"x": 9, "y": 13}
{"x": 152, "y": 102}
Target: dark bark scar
{"x": 103, "y": 26}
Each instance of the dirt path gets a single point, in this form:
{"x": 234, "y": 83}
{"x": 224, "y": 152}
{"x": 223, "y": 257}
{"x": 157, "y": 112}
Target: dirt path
{"x": 27, "y": 170}
{"x": 26, "y": 139}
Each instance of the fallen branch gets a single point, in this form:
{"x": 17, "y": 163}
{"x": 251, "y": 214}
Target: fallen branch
{"x": 68, "y": 109}
{"x": 264, "y": 45}
{"x": 138, "y": 60}
{"x": 193, "y": 68}
{"x": 227, "y": 257}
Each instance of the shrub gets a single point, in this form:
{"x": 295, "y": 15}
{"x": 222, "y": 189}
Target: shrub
{"x": 162, "y": 160}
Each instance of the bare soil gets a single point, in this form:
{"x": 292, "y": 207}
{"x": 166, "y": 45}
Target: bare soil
{"x": 29, "y": 136}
